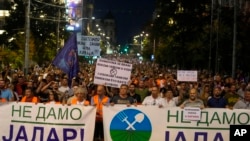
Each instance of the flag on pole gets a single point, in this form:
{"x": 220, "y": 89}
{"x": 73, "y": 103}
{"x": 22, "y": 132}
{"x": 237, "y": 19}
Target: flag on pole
{"x": 67, "y": 58}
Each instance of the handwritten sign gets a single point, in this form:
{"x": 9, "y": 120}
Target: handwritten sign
{"x": 88, "y": 45}
{"x": 191, "y": 113}
{"x": 185, "y": 75}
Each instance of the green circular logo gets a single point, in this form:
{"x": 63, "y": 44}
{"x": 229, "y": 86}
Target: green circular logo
{"x": 130, "y": 125}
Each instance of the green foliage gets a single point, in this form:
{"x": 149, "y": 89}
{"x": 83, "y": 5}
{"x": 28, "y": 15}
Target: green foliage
{"x": 182, "y": 34}
{"x": 43, "y": 31}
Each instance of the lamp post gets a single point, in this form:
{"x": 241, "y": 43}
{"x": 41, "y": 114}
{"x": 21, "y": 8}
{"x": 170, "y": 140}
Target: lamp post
{"x": 234, "y": 39}
{"x": 154, "y": 51}
{"x": 80, "y": 23}
{"x": 142, "y": 35}
{"x": 211, "y": 36}
{"x": 27, "y": 37}
{"x": 58, "y": 30}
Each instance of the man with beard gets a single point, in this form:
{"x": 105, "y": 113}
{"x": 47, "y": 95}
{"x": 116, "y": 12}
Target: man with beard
{"x": 136, "y": 97}
{"x": 5, "y": 93}
{"x": 193, "y": 101}
{"x": 243, "y": 103}
{"x": 217, "y": 101}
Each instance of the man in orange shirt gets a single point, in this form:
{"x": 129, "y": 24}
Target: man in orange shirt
{"x": 29, "y": 96}
{"x": 98, "y": 100}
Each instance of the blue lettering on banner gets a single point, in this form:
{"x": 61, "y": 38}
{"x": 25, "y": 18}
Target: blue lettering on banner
{"x": 197, "y": 134}
{"x": 218, "y": 137}
{"x": 181, "y": 136}
{"x": 22, "y": 135}
{"x": 10, "y": 136}
{"x": 204, "y": 135}
{"x": 69, "y": 134}
{"x": 52, "y": 135}
{"x": 36, "y": 129}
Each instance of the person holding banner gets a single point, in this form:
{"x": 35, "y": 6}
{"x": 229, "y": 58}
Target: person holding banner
{"x": 217, "y": 101}
{"x": 154, "y": 98}
{"x": 231, "y": 96}
{"x": 99, "y": 100}
{"x": 29, "y": 96}
{"x": 122, "y": 97}
{"x": 53, "y": 98}
{"x": 243, "y": 103}
{"x": 170, "y": 100}
{"x": 6, "y": 93}
{"x": 193, "y": 101}
{"x": 137, "y": 97}
{"x": 80, "y": 99}
{"x": 142, "y": 90}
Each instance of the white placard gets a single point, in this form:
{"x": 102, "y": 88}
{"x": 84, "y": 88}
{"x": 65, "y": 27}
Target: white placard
{"x": 88, "y": 45}
{"x": 188, "y": 76}
{"x": 112, "y": 73}
{"x": 192, "y": 113}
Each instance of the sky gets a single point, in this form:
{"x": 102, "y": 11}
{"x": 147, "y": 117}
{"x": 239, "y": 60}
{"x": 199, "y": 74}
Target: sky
{"x": 130, "y": 15}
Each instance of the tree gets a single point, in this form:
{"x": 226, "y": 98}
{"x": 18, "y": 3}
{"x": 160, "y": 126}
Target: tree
{"x": 43, "y": 31}
{"x": 182, "y": 30}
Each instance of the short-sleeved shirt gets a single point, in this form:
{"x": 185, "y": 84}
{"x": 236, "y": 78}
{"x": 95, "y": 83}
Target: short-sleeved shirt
{"x": 149, "y": 100}
{"x": 217, "y": 102}
{"x": 172, "y": 103}
{"x": 242, "y": 104}
{"x": 197, "y": 103}
{"x": 7, "y": 94}
{"x": 231, "y": 99}
{"x": 119, "y": 100}
{"x": 143, "y": 93}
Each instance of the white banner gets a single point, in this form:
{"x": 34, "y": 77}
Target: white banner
{"x": 40, "y": 122}
{"x": 187, "y": 76}
{"x": 112, "y": 73}
{"x": 151, "y": 123}
{"x": 88, "y": 45}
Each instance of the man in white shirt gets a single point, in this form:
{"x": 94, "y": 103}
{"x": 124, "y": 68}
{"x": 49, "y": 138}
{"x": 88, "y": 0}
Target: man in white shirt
{"x": 154, "y": 98}
{"x": 64, "y": 88}
{"x": 170, "y": 100}
{"x": 243, "y": 103}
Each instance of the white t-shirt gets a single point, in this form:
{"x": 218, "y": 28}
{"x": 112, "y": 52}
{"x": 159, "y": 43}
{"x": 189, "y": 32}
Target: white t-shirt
{"x": 149, "y": 100}
{"x": 172, "y": 102}
{"x": 63, "y": 89}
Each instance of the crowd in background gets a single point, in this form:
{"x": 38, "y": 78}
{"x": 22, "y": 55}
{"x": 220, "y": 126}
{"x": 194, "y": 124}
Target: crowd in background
{"x": 150, "y": 84}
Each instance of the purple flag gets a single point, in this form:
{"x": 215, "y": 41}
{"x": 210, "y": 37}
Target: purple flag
{"x": 67, "y": 58}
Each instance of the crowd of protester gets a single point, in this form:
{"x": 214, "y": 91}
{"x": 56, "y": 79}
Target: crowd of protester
{"x": 155, "y": 86}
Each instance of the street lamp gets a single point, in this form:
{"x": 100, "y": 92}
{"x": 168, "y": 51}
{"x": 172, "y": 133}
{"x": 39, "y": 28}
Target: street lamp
{"x": 27, "y": 37}
{"x": 142, "y": 35}
{"x": 154, "y": 51}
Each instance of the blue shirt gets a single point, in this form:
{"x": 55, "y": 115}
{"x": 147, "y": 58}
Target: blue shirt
{"x": 217, "y": 102}
{"x": 6, "y": 94}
